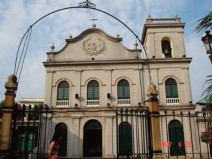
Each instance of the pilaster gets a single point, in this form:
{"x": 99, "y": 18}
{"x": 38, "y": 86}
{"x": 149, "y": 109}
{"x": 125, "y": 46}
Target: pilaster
{"x": 11, "y": 86}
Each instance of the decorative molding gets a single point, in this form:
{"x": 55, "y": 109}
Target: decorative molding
{"x": 93, "y": 46}
{"x": 50, "y": 71}
{"x": 87, "y": 4}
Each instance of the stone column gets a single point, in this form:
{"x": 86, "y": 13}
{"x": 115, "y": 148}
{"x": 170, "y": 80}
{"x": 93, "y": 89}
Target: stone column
{"x": 109, "y": 137}
{"x": 76, "y": 141}
{"x": 11, "y": 86}
{"x": 152, "y": 93}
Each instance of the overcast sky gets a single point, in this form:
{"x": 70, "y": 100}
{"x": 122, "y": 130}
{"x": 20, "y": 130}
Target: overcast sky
{"x": 17, "y": 15}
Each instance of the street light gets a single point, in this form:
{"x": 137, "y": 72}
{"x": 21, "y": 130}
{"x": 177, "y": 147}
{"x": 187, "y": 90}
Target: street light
{"x": 207, "y": 40}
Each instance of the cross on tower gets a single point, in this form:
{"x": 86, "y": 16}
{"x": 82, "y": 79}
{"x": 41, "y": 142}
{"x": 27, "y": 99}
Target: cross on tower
{"x": 94, "y": 19}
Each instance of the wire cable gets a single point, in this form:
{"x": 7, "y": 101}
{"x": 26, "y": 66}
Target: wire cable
{"x": 22, "y": 53}
{"x": 28, "y": 40}
{"x": 19, "y": 46}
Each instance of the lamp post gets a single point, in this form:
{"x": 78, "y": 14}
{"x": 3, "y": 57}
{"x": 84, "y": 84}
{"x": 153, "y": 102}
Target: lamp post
{"x": 207, "y": 40}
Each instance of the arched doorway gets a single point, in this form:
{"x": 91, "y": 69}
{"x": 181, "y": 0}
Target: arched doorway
{"x": 176, "y": 137}
{"x": 62, "y": 128}
{"x": 92, "y": 137}
{"x": 125, "y": 139}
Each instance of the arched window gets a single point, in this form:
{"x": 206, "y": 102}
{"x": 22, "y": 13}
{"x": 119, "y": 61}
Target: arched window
{"x": 166, "y": 48}
{"x": 176, "y": 137}
{"x": 63, "y": 91}
{"x": 93, "y": 90}
{"x": 123, "y": 89}
{"x": 171, "y": 88}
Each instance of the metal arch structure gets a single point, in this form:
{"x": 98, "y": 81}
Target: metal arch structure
{"x": 86, "y": 5}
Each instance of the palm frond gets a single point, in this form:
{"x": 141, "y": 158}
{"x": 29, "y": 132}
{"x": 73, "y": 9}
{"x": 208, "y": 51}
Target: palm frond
{"x": 208, "y": 89}
{"x": 204, "y": 23}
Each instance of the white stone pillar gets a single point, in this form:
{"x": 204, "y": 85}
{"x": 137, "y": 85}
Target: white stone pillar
{"x": 78, "y": 76}
{"x": 109, "y": 85}
{"x": 109, "y": 137}
{"x": 75, "y": 138}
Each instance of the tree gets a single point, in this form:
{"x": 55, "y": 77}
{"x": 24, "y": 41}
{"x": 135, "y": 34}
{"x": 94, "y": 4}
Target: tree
{"x": 1, "y": 106}
{"x": 204, "y": 24}
{"x": 208, "y": 90}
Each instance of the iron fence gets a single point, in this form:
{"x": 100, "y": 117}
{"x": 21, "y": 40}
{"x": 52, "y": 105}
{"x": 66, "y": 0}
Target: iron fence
{"x": 28, "y": 125}
{"x": 182, "y": 133}
{"x": 133, "y": 133}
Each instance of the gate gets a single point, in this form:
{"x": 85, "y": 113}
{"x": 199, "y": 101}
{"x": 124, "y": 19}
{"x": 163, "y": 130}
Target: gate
{"x": 28, "y": 139}
{"x": 133, "y": 133}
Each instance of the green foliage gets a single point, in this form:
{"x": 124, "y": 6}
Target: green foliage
{"x": 1, "y": 106}
{"x": 204, "y": 23}
{"x": 208, "y": 89}
{"x": 1, "y": 103}
{"x": 34, "y": 112}
{"x": 206, "y": 136}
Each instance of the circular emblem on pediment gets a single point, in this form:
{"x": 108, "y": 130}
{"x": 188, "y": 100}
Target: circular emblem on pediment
{"x": 93, "y": 46}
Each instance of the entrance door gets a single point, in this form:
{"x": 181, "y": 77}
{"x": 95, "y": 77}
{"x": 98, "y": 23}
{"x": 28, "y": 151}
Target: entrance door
{"x": 62, "y": 128}
{"x": 125, "y": 139}
{"x": 92, "y": 145}
{"x": 176, "y": 137}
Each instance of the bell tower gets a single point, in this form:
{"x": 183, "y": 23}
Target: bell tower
{"x": 163, "y": 38}
{"x": 163, "y": 41}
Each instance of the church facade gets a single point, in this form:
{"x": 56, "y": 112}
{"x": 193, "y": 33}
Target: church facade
{"x": 94, "y": 75}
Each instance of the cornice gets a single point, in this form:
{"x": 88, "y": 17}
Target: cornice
{"x": 127, "y": 61}
{"x": 159, "y": 25}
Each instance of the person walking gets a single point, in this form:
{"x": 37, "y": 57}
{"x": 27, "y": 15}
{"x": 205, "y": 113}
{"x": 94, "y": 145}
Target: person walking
{"x": 54, "y": 146}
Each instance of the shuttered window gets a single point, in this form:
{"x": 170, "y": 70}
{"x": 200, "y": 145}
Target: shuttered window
{"x": 123, "y": 89}
{"x": 93, "y": 90}
{"x": 63, "y": 91}
{"x": 171, "y": 88}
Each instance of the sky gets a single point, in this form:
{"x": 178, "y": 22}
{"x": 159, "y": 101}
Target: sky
{"x": 17, "y": 16}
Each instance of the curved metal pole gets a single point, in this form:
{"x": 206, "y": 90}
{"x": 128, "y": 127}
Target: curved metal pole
{"x": 31, "y": 27}
{"x": 86, "y": 7}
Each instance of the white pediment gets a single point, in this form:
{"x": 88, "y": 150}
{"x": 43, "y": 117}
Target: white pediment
{"x": 93, "y": 43}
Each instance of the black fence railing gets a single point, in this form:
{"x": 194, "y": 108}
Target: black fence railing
{"x": 28, "y": 125}
{"x": 181, "y": 134}
{"x": 133, "y": 133}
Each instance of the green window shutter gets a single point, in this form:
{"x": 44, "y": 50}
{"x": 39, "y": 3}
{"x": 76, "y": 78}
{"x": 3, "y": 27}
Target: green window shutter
{"x": 96, "y": 93}
{"x": 120, "y": 93}
{"x": 171, "y": 88}
{"x": 63, "y": 91}
{"x": 123, "y": 89}
{"x": 127, "y": 92}
{"x": 90, "y": 92}
{"x": 93, "y": 90}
